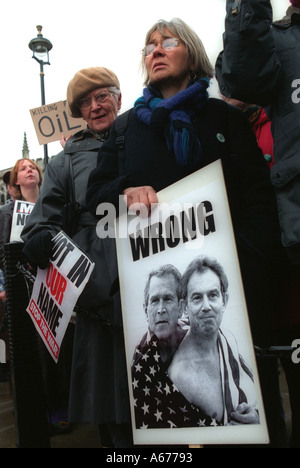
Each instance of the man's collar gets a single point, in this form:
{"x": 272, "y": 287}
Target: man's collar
{"x": 87, "y": 132}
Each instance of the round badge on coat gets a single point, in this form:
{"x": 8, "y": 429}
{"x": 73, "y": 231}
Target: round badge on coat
{"x": 221, "y": 138}
{"x": 268, "y": 157}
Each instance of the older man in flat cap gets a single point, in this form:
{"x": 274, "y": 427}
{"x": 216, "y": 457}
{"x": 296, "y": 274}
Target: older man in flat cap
{"x": 99, "y": 389}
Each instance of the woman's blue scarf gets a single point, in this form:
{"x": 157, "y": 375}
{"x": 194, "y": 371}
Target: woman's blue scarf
{"x": 175, "y": 115}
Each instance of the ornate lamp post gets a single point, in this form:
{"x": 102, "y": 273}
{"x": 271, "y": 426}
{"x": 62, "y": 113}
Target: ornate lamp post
{"x": 40, "y": 47}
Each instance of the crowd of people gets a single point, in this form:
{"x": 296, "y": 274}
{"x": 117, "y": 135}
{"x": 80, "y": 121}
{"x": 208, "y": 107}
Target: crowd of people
{"x": 174, "y": 129}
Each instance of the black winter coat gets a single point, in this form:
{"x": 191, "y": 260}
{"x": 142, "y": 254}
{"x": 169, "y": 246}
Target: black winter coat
{"x": 224, "y": 134}
{"x": 99, "y": 389}
{"x": 260, "y": 64}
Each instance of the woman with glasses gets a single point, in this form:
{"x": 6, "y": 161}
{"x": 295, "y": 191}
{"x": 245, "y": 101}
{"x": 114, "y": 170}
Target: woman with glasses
{"x": 175, "y": 129}
{"x": 99, "y": 390}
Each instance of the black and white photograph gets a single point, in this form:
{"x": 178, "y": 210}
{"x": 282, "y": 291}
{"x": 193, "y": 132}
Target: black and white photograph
{"x": 186, "y": 370}
{"x": 190, "y": 358}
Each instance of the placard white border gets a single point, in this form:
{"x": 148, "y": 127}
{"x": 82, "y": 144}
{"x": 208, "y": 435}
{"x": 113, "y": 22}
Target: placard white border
{"x": 206, "y": 184}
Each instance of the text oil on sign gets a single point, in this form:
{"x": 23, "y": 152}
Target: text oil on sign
{"x": 51, "y": 121}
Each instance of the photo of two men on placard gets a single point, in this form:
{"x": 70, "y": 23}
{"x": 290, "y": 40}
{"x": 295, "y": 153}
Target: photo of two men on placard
{"x": 190, "y": 358}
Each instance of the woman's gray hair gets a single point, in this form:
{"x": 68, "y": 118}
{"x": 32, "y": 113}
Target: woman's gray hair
{"x": 114, "y": 90}
{"x": 198, "y": 56}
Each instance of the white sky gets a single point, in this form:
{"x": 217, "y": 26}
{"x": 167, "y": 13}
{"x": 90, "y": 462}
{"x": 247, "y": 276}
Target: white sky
{"x": 85, "y": 33}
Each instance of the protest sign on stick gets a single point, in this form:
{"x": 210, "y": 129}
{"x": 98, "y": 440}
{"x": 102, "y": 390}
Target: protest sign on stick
{"x": 56, "y": 291}
{"x": 51, "y": 121}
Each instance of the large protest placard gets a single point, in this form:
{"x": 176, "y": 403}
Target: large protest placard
{"x": 179, "y": 392}
{"x": 52, "y": 120}
{"x": 56, "y": 290}
{"x": 22, "y": 210}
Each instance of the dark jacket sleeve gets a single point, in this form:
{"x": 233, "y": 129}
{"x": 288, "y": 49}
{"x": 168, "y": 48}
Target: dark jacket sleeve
{"x": 248, "y": 68}
{"x": 255, "y": 219}
{"x": 251, "y": 195}
{"x": 106, "y": 183}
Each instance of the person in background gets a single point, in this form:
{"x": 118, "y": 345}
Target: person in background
{"x": 99, "y": 386}
{"x": 260, "y": 63}
{"x": 23, "y": 183}
{"x": 175, "y": 129}
{"x": 12, "y": 195}
{"x": 25, "y": 179}
{"x": 261, "y": 125}
{"x": 12, "y": 191}
{"x": 4, "y": 366}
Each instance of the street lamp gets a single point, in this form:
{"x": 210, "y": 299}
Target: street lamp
{"x": 40, "y": 47}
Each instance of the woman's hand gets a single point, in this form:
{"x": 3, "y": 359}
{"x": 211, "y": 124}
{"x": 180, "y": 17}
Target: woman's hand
{"x": 140, "y": 199}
